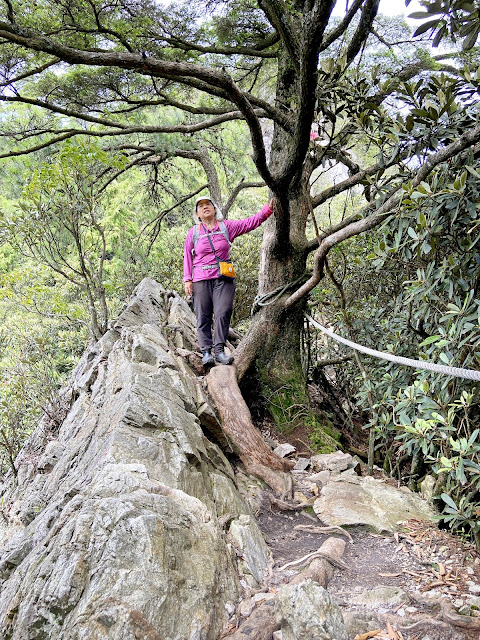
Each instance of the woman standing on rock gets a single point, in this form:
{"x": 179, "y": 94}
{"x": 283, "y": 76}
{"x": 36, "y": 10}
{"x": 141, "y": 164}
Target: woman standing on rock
{"x": 207, "y": 273}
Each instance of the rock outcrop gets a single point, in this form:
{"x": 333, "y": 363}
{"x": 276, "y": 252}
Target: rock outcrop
{"x": 349, "y": 500}
{"x": 127, "y": 522}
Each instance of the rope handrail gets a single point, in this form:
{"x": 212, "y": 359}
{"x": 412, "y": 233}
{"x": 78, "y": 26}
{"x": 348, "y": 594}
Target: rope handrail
{"x": 468, "y": 374}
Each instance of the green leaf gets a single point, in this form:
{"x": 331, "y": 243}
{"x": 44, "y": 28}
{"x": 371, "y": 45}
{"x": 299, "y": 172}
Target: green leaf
{"x": 439, "y": 35}
{"x": 430, "y": 24}
{"x": 430, "y": 340}
{"x": 471, "y": 39}
{"x": 448, "y": 501}
{"x": 418, "y": 15}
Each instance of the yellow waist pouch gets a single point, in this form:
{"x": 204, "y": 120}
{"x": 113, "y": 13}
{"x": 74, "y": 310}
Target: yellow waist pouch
{"x": 226, "y": 269}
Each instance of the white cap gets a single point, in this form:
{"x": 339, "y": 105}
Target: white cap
{"x": 218, "y": 213}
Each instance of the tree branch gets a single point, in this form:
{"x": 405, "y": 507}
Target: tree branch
{"x": 10, "y": 13}
{"x": 465, "y": 141}
{"x": 237, "y": 51}
{"x": 314, "y": 23}
{"x": 155, "y": 67}
{"x": 204, "y": 159}
{"x": 369, "y": 11}
{"x": 342, "y": 27}
{"x": 124, "y": 130}
{"x": 279, "y": 16}
{"x": 350, "y": 182}
{"x": 29, "y": 74}
{"x": 241, "y": 185}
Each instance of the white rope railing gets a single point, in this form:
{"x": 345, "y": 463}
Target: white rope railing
{"x": 468, "y": 374}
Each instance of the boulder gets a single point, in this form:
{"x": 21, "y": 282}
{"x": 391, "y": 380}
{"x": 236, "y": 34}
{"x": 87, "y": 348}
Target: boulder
{"x": 302, "y": 464}
{"x": 284, "y": 450}
{"x": 382, "y": 595}
{"x": 128, "y": 524}
{"x": 349, "y": 500}
{"x": 427, "y": 487}
{"x": 336, "y": 461}
{"x": 306, "y": 611}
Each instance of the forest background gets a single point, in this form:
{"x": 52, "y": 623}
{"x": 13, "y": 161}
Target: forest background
{"x": 366, "y": 135}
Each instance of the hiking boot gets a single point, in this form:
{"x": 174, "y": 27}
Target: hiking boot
{"x": 207, "y": 359}
{"x": 222, "y": 358}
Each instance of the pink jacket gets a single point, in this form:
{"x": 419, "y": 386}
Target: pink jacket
{"x": 192, "y": 266}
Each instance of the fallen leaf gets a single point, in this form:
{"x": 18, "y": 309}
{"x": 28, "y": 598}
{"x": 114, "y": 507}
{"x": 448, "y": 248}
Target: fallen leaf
{"x": 392, "y": 634}
{"x": 427, "y": 587}
{"x": 436, "y": 574}
{"x": 441, "y": 569}
{"x": 369, "y": 634}
{"x": 414, "y": 573}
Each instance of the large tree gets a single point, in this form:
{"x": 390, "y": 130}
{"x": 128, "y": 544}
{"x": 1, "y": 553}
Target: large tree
{"x": 300, "y": 79}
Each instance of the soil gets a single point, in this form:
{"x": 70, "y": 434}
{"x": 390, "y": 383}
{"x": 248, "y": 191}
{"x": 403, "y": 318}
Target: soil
{"x": 435, "y": 574}
{"x": 429, "y": 565}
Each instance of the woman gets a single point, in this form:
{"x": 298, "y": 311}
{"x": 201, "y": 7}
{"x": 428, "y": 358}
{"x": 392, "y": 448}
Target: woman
{"x": 206, "y": 243}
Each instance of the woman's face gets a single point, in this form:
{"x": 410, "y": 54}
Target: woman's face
{"x": 206, "y": 211}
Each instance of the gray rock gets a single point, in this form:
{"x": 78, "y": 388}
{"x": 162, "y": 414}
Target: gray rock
{"x": 253, "y": 552}
{"x": 53, "y": 452}
{"x": 306, "y": 611}
{"x": 427, "y": 486}
{"x": 284, "y": 449}
{"x": 321, "y": 478}
{"x": 358, "y": 501}
{"x": 358, "y": 623}
{"x": 126, "y": 529}
{"x": 302, "y": 464}
{"x": 337, "y": 461}
{"x": 473, "y": 588}
{"x": 382, "y": 595}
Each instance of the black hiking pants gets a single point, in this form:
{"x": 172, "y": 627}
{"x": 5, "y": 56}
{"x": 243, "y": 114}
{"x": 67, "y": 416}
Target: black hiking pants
{"x": 213, "y": 298}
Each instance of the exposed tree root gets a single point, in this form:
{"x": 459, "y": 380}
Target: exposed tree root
{"x": 426, "y": 625}
{"x": 311, "y": 529}
{"x": 445, "y": 619}
{"x": 448, "y": 614}
{"x": 315, "y": 554}
{"x": 285, "y": 506}
{"x": 321, "y": 570}
{"x": 245, "y": 440}
{"x": 261, "y": 624}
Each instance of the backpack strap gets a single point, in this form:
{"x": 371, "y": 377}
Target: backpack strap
{"x": 224, "y": 231}
{"x": 196, "y": 234}
{"x": 195, "y": 237}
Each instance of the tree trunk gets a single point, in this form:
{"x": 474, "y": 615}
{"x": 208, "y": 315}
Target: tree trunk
{"x": 245, "y": 439}
{"x": 272, "y": 350}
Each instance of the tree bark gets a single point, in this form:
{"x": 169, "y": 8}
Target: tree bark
{"x": 244, "y": 438}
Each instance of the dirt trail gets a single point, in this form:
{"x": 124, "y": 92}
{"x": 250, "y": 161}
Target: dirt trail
{"x": 416, "y": 584}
